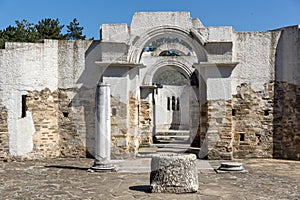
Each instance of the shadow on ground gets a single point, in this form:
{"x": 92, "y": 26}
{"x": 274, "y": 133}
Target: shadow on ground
{"x": 67, "y": 167}
{"x": 141, "y": 188}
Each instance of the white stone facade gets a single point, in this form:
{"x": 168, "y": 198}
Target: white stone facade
{"x": 216, "y": 63}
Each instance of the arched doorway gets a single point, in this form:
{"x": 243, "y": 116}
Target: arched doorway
{"x": 169, "y": 87}
{"x": 171, "y": 101}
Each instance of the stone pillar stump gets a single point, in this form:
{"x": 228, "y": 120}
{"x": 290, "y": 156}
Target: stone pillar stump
{"x": 174, "y": 173}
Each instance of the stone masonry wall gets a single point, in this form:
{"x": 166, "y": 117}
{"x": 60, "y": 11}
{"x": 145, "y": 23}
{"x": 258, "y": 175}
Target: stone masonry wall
{"x": 286, "y": 136}
{"x": 133, "y": 137}
{"x": 219, "y": 130}
{"x": 252, "y": 122}
{"x": 125, "y": 138}
{"x": 44, "y": 108}
{"x": 69, "y": 122}
{"x": 119, "y": 129}
{"x": 4, "y": 148}
{"x": 145, "y": 123}
{"x": 203, "y": 122}
{"x": 57, "y": 122}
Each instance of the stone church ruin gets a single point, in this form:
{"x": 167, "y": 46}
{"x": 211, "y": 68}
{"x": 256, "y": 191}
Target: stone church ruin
{"x": 234, "y": 94}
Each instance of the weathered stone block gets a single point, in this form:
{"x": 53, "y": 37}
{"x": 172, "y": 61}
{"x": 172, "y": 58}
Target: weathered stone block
{"x": 174, "y": 173}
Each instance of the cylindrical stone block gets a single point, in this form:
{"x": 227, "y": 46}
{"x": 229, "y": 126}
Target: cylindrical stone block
{"x": 174, "y": 173}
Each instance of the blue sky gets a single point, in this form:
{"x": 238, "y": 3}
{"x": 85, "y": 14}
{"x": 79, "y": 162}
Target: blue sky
{"x": 243, "y": 15}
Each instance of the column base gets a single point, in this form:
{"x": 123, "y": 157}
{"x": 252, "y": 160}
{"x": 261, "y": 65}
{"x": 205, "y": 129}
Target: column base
{"x": 105, "y": 167}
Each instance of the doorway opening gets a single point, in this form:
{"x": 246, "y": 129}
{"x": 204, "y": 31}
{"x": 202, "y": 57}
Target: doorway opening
{"x": 173, "y": 103}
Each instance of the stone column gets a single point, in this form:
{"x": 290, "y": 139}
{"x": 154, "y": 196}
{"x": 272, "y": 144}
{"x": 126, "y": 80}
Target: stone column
{"x": 103, "y": 128}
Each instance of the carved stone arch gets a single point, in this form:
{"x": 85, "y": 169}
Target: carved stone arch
{"x": 191, "y": 37}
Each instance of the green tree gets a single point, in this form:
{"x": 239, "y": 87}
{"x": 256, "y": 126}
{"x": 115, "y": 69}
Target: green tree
{"x": 74, "y": 31}
{"x": 50, "y": 29}
{"x": 22, "y": 32}
{"x": 47, "y": 28}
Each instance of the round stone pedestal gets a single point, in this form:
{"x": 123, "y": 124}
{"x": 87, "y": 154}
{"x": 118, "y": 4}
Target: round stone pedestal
{"x": 231, "y": 167}
{"x": 174, "y": 173}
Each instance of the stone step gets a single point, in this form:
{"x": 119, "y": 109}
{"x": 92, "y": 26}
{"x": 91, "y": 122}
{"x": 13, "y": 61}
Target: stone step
{"x": 169, "y": 137}
{"x": 172, "y": 132}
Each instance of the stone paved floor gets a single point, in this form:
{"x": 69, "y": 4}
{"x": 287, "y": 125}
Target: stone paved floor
{"x": 69, "y": 179}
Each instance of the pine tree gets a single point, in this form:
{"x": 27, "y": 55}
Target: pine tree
{"x": 47, "y": 28}
{"x": 23, "y": 32}
{"x": 74, "y": 31}
{"x": 50, "y": 29}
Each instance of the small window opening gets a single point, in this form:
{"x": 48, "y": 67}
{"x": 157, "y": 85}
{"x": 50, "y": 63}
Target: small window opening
{"x": 170, "y": 53}
{"x": 266, "y": 112}
{"x": 173, "y": 103}
{"x": 177, "y": 104}
{"x": 114, "y": 111}
{"x": 242, "y": 137}
{"x": 233, "y": 112}
{"x": 66, "y": 114}
{"x": 24, "y": 106}
{"x": 168, "y": 103}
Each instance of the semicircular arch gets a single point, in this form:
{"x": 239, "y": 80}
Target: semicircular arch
{"x": 190, "y": 37}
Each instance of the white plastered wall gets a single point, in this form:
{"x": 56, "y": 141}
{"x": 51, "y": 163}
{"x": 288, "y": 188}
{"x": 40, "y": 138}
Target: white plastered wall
{"x": 255, "y": 52}
{"x": 25, "y": 67}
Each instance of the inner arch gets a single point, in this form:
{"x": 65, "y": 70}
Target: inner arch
{"x": 165, "y": 64}
{"x": 169, "y": 75}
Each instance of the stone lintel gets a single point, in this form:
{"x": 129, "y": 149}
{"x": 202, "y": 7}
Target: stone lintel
{"x": 210, "y": 64}
{"x": 118, "y": 64}
{"x": 148, "y": 86}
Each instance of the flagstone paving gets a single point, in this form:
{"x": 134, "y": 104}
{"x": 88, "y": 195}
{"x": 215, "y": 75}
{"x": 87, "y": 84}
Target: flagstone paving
{"x": 70, "y": 179}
